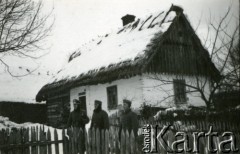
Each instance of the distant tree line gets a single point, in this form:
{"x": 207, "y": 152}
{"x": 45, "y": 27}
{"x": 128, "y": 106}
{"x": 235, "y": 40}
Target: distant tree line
{"x": 21, "y": 112}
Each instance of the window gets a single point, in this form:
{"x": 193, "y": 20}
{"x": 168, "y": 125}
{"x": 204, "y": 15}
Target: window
{"x": 112, "y": 97}
{"x": 179, "y": 91}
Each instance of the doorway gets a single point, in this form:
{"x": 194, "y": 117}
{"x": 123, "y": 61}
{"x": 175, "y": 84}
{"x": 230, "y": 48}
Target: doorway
{"x": 82, "y": 99}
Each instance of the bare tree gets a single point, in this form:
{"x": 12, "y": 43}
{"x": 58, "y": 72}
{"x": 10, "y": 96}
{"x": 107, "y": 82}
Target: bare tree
{"x": 225, "y": 50}
{"x": 232, "y": 81}
{"x": 224, "y": 53}
{"x": 23, "y": 27}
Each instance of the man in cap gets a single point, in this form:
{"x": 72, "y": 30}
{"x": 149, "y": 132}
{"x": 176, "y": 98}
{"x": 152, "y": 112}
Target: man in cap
{"x": 78, "y": 117}
{"x": 128, "y": 119}
{"x": 100, "y": 117}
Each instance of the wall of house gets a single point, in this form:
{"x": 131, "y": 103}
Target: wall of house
{"x": 126, "y": 88}
{"x": 149, "y": 89}
{"x": 158, "y": 90}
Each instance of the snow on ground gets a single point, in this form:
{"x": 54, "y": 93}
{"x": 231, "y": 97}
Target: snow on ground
{"x": 6, "y": 123}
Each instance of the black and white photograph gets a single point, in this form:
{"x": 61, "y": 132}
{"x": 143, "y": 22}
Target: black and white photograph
{"x": 119, "y": 76}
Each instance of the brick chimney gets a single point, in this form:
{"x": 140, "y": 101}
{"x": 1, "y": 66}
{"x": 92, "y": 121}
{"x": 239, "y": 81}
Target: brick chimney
{"x": 127, "y": 19}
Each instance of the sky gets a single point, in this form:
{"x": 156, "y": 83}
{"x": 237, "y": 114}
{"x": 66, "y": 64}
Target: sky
{"x": 79, "y": 21}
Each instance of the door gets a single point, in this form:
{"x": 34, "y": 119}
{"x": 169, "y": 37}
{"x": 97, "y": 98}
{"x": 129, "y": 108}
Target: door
{"x": 82, "y": 99}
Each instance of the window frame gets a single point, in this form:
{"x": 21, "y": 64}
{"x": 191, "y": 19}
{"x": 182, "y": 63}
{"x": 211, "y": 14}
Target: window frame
{"x": 110, "y": 105}
{"x": 179, "y": 85}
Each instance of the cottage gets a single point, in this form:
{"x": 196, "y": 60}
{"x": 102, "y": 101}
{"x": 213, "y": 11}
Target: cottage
{"x": 132, "y": 63}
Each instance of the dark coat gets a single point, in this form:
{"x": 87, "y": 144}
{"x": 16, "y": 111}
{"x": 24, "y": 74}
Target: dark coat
{"x": 129, "y": 121}
{"x": 100, "y": 119}
{"x": 78, "y": 118}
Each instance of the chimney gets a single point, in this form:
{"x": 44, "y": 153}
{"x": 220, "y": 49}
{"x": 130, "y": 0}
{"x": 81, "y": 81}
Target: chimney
{"x": 127, "y": 19}
{"x": 177, "y": 9}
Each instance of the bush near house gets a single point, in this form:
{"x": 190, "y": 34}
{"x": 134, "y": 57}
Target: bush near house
{"x": 21, "y": 112}
{"x": 226, "y": 100}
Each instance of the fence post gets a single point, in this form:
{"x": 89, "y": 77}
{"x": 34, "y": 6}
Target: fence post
{"x": 93, "y": 141}
{"x": 56, "y": 139}
{"x": 86, "y": 141}
{"x": 107, "y": 142}
{"x": 42, "y": 139}
{"x": 33, "y": 139}
{"x": 6, "y": 134}
{"x": 128, "y": 149}
{"x": 18, "y": 140}
{"x": 111, "y": 139}
{"x": 89, "y": 141}
{"x": 102, "y": 141}
{"x": 98, "y": 140}
{"x": 27, "y": 138}
{"x": 11, "y": 141}
{"x": 2, "y": 142}
{"x": 65, "y": 142}
{"x": 116, "y": 141}
{"x": 37, "y": 139}
{"x": 123, "y": 143}
{"x": 79, "y": 140}
{"x": 70, "y": 142}
{"x": 133, "y": 143}
{"x": 49, "y": 147}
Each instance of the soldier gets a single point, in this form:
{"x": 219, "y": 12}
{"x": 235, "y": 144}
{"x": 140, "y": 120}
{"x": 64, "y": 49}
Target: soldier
{"x": 78, "y": 119}
{"x": 128, "y": 119}
{"x": 100, "y": 117}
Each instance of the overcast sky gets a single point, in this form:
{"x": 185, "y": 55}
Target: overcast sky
{"x": 79, "y": 21}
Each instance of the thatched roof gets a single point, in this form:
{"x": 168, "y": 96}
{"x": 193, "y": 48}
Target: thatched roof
{"x": 163, "y": 42}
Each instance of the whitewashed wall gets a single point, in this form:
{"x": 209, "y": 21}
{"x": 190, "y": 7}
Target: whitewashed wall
{"x": 160, "y": 93}
{"x": 126, "y": 88}
{"x": 140, "y": 89}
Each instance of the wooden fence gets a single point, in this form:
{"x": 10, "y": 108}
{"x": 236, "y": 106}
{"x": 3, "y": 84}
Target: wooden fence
{"x": 195, "y": 125}
{"x": 37, "y": 140}
{"x": 34, "y": 140}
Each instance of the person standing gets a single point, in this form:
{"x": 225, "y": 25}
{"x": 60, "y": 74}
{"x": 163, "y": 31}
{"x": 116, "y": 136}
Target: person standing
{"x": 78, "y": 119}
{"x": 128, "y": 119}
{"x": 100, "y": 118}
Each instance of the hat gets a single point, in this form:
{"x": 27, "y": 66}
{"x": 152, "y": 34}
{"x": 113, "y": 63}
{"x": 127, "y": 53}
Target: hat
{"x": 98, "y": 102}
{"x": 75, "y": 101}
{"x": 127, "y": 102}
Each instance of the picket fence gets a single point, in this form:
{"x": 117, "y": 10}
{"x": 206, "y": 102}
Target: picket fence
{"x": 32, "y": 140}
{"x": 36, "y": 140}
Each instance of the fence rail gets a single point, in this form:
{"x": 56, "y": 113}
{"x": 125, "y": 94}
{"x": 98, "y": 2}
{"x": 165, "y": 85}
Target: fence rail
{"x": 37, "y": 140}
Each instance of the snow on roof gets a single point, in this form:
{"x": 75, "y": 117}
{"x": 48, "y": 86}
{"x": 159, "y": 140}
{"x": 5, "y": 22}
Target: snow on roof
{"x": 127, "y": 43}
